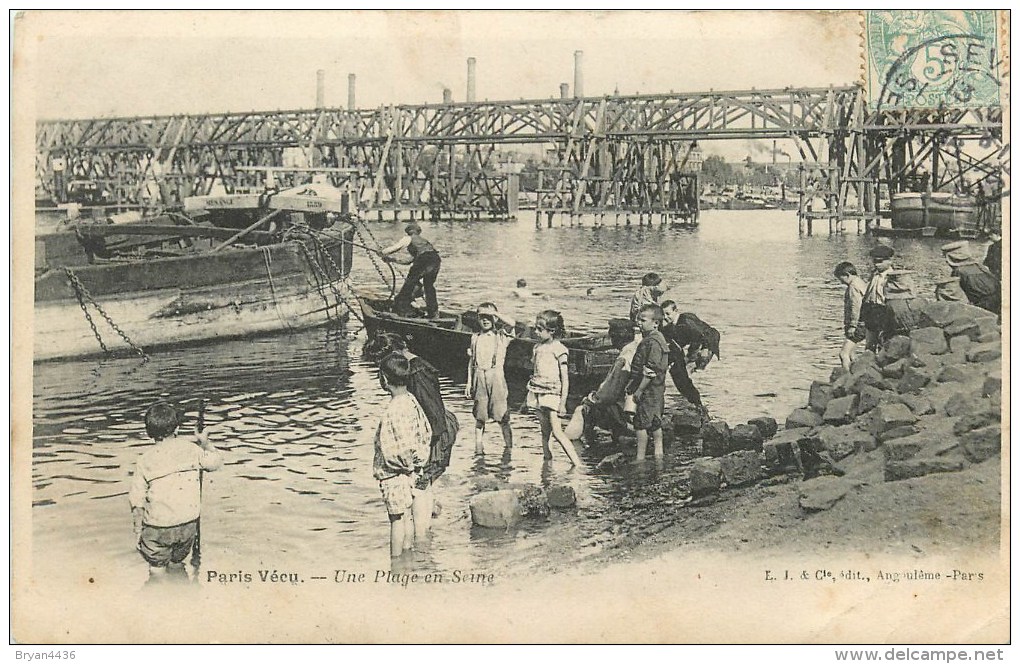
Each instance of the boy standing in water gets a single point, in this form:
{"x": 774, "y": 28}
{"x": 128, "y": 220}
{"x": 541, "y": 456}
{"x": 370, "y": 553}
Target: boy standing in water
{"x": 853, "y": 298}
{"x": 166, "y": 494}
{"x": 651, "y": 289}
{"x": 648, "y": 380}
{"x": 486, "y": 382}
{"x": 401, "y": 449}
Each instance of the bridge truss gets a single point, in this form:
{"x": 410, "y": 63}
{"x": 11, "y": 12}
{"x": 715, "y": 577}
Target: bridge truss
{"x": 622, "y": 153}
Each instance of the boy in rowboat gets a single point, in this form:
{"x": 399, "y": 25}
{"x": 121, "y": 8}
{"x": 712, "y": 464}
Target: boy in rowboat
{"x": 165, "y": 492}
{"x": 425, "y": 264}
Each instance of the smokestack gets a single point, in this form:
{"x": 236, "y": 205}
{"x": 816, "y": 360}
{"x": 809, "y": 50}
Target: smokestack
{"x": 564, "y": 90}
{"x": 578, "y": 73}
{"x": 350, "y": 92}
{"x": 471, "y": 80}
{"x": 447, "y": 96}
{"x": 320, "y": 88}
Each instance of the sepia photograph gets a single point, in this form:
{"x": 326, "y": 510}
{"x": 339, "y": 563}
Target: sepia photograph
{"x": 511, "y": 327}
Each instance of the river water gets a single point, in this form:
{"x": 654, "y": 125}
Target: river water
{"x": 291, "y": 412}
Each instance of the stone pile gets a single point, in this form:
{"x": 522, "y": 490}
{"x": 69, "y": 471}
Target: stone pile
{"x": 927, "y": 403}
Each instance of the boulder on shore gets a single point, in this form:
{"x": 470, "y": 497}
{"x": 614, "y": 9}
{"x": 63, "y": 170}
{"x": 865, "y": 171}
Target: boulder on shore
{"x": 705, "y": 476}
{"x": 740, "y": 467}
{"x": 496, "y": 509}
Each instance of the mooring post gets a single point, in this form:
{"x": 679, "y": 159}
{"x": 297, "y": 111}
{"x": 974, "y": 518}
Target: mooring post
{"x": 549, "y": 218}
{"x": 627, "y": 219}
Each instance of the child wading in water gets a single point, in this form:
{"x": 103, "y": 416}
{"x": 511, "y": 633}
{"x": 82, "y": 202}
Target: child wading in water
{"x": 648, "y": 380}
{"x": 547, "y": 389}
{"x": 853, "y": 298}
{"x": 401, "y": 449}
{"x": 166, "y": 494}
{"x": 486, "y": 382}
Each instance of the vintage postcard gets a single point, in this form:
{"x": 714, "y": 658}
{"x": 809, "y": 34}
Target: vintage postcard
{"x": 511, "y": 327}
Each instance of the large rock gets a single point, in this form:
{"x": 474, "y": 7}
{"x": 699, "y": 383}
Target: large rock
{"x": 782, "y": 451}
{"x": 898, "y": 432}
{"x": 919, "y": 467}
{"x": 705, "y": 476}
{"x": 562, "y": 496}
{"x": 903, "y": 448}
{"x": 929, "y": 340}
{"x": 842, "y": 410}
{"x": 803, "y": 417}
{"x": 896, "y": 369}
{"x": 982, "y": 444}
{"x": 740, "y": 467}
{"x": 819, "y": 397}
{"x": 963, "y": 402}
{"x": 687, "y": 421}
{"x": 821, "y": 493}
{"x": 992, "y": 385}
{"x": 952, "y": 374}
{"x": 871, "y": 396}
{"x": 895, "y": 349}
{"x": 960, "y": 344}
{"x": 835, "y": 374}
{"x": 971, "y": 421}
{"x": 918, "y": 405}
{"x": 962, "y": 328}
{"x": 942, "y": 314}
{"x": 840, "y": 442}
{"x": 766, "y": 425}
{"x": 913, "y": 380}
{"x": 889, "y": 416}
{"x": 715, "y": 438}
{"x": 746, "y": 437}
{"x": 863, "y": 362}
{"x": 496, "y": 509}
{"x": 984, "y": 353}
{"x": 532, "y": 499}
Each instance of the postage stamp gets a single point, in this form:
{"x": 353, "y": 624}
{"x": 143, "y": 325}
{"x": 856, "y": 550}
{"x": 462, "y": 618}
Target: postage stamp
{"x": 932, "y": 59}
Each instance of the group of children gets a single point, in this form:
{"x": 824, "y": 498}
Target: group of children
{"x": 885, "y": 306}
{"x": 415, "y": 434}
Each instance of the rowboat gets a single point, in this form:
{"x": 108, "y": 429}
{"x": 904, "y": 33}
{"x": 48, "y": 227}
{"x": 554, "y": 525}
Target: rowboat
{"x": 166, "y": 281}
{"x": 444, "y": 342}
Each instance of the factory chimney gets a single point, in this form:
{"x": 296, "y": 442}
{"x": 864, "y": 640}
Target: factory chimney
{"x": 320, "y": 88}
{"x": 564, "y": 90}
{"x": 351, "y": 78}
{"x": 447, "y": 96}
{"x": 578, "y": 74}
{"x": 471, "y": 80}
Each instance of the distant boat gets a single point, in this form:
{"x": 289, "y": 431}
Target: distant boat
{"x": 935, "y": 214}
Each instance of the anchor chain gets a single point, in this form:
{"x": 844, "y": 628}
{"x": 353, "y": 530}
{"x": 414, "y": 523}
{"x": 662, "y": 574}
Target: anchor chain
{"x": 372, "y": 254}
{"x": 317, "y": 265}
{"x": 84, "y": 296}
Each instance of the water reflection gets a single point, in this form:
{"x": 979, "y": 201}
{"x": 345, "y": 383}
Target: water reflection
{"x": 294, "y": 413}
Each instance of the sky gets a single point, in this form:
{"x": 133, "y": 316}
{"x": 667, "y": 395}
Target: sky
{"x": 126, "y": 63}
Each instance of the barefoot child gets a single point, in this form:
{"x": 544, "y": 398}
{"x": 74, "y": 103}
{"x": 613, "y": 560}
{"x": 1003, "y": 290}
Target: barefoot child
{"x": 853, "y": 298}
{"x": 423, "y": 384}
{"x": 486, "y": 382}
{"x": 547, "y": 389}
{"x": 648, "y": 380}
{"x": 165, "y": 494}
{"x": 401, "y": 449}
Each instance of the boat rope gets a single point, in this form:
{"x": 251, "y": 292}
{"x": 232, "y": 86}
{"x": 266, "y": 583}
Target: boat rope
{"x": 372, "y": 250}
{"x": 84, "y": 296}
{"x": 267, "y": 256}
{"x": 317, "y": 264}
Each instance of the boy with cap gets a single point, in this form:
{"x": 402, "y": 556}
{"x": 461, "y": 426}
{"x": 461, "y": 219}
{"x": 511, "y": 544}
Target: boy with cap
{"x": 486, "y": 375}
{"x": 976, "y": 281}
{"x": 873, "y": 306}
{"x": 425, "y": 264}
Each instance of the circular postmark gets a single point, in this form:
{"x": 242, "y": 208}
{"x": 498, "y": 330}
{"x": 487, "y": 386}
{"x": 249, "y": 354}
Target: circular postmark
{"x": 952, "y": 70}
